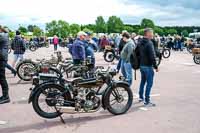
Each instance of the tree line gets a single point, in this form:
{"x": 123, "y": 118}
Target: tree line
{"x": 114, "y": 24}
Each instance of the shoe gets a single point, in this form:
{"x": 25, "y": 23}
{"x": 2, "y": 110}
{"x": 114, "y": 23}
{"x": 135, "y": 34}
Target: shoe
{"x": 149, "y": 104}
{"x": 141, "y": 100}
{"x": 1, "y": 98}
{"x": 4, "y": 100}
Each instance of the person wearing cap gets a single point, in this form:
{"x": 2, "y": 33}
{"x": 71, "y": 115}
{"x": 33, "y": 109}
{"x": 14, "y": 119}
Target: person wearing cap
{"x": 126, "y": 52}
{"x": 147, "y": 64}
{"x": 19, "y": 47}
{"x": 78, "y": 48}
{"x": 3, "y": 61}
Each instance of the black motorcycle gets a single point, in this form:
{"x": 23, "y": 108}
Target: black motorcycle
{"x": 52, "y": 99}
{"x": 110, "y": 54}
{"x": 33, "y": 46}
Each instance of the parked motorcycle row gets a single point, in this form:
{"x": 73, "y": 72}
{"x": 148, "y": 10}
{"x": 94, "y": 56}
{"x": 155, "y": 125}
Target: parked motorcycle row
{"x": 59, "y": 86}
{"x": 32, "y": 46}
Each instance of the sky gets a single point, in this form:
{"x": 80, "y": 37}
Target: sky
{"x": 39, "y": 12}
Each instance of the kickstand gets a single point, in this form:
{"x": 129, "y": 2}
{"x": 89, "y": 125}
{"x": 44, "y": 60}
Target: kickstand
{"x": 61, "y": 118}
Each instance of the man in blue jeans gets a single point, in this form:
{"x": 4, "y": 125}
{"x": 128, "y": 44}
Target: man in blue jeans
{"x": 126, "y": 67}
{"x": 147, "y": 65}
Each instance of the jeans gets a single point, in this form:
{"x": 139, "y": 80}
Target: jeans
{"x": 3, "y": 81}
{"x": 55, "y": 47}
{"x": 147, "y": 76}
{"x": 126, "y": 70}
{"x": 10, "y": 68}
{"x": 18, "y": 56}
{"x": 119, "y": 65}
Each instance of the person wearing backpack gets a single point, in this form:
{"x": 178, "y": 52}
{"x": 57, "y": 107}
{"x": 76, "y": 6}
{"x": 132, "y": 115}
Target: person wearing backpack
{"x": 147, "y": 65}
{"x": 126, "y": 53}
{"x": 3, "y": 61}
{"x": 18, "y": 46}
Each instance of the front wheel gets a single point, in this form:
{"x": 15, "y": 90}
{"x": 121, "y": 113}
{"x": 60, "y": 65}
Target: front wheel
{"x": 109, "y": 56}
{"x": 166, "y": 53}
{"x": 196, "y": 59}
{"x": 32, "y": 48}
{"x": 118, "y": 100}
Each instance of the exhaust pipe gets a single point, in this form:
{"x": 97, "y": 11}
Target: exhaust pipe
{"x": 71, "y": 110}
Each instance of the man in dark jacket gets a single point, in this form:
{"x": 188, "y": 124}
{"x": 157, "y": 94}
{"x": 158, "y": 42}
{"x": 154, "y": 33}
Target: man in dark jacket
{"x": 147, "y": 63}
{"x": 78, "y": 48}
{"x": 3, "y": 61}
{"x": 19, "y": 47}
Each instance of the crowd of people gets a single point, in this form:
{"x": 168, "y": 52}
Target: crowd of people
{"x": 84, "y": 46}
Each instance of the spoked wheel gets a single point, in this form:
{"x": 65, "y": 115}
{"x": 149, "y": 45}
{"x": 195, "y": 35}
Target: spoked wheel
{"x": 196, "y": 59}
{"x": 25, "y": 70}
{"x": 166, "y": 53}
{"x": 119, "y": 99}
{"x": 109, "y": 56}
{"x": 45, "y": 101}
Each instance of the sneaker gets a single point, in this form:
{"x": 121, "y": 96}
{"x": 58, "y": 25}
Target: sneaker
{"x": 4, "y": 100}
{"x": 141, "y": 100}
{"x": 149, "y": 104}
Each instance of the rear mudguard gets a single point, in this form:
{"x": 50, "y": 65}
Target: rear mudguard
{"x": 40, "y": 86}
{"x": 25, "y": 61}
{"x": 111, "y": 86}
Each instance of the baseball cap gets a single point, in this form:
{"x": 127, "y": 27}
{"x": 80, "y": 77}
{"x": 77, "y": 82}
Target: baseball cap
{"x": 81, "y": 33}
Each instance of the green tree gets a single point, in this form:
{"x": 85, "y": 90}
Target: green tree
{"x": 60, "y": 28}
{"x": 101, "y": 25}
{"x": 115, "y": 24}
{"x": 87, "y": 30}
{"x": 37, "y": 31}
{"x": 147, "y": 23}
{"x": 30, "y": 28}
{"x": 159, "y": 31}
{"x": 185, "y": 33}
{"x": 171, "y": 31}
{"x": 11, "y": 34}
{"x": 141, "y": 32}
{"x": 74, "y": 29}
{"x": 22, "y": 29}
{"x": 128, "y": 28}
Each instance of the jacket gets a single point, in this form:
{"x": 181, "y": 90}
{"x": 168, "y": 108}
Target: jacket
{"x": 4, "y": 47}
{"x": 127, "y": 50}
{"x": 147, "y": 53}
{"x": 78, "y": 50}
{"x": 18, "y": 45}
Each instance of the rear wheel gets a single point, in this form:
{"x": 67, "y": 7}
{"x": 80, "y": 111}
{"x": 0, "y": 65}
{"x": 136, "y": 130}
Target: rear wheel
{"x": 118, "y": 100}
{"x": 45, "y": 100}
{"x": 32, "y": 48}
{"x": 25, "y": 69}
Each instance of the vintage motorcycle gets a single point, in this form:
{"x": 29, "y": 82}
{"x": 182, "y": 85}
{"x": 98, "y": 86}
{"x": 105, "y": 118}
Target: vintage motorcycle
{"x": 196, "y": 55}
{"x": 110, "y": 54}
{"x": 53, "y": 98}
{"x": 26, "y": 68}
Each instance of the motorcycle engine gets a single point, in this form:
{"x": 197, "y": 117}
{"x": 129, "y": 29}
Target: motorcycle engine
{"x": 87, "y": 100}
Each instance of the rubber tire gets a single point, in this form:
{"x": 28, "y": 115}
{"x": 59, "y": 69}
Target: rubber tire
{"x": 105, "y": 55}
{"x": 18, "y": 67}
{"x": 32, "y": 48}
{"x": 35, "y": 104}
{"x": 196, "y": 61}
{"x": 107, "y": 99}
{"x": 167, "y": 55}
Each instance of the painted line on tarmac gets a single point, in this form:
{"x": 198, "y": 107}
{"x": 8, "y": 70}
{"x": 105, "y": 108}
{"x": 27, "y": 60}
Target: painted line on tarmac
{"x": 188, "y": 64}
{"x": 152, "y": 95}
{"x": 143, "y": 109}
{"x": 3, "y": 122}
